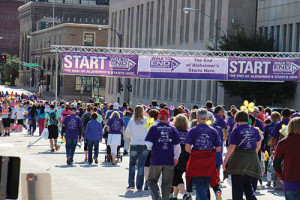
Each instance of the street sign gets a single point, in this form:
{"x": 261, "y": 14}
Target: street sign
{"x": 30, "y": 64}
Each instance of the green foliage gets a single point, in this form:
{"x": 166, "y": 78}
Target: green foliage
{"x": 10, "y": 70}
{"x": 263, "y": 93}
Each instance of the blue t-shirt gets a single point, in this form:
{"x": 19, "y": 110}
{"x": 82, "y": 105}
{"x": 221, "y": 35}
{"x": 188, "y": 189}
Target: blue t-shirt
{"x": 40, "y": 115}
{"x": 164, "y": 137}
{"x": 203, "y": 137}
{"x": 93, "y": 130}
{"x": 72, "y": 124}
{"x": 219, "y": 155}
{"x": 278, "y": 126}
{"x": 126, "y": 121}
{"x": 259, "y": 124}
{"x": 115, "y": 125}
{"x": 245, "y": 131}
{"x": 220, "y": 122}
{"x": 268, "y": 131}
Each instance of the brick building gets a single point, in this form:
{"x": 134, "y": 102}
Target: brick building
{"x": 9, "y": 26}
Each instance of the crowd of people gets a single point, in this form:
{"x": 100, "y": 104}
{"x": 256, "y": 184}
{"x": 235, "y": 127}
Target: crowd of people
{"x": 180, "y": 148}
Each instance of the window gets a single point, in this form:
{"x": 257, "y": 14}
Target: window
{"x": 157, "y": 22}
{"x": 284, "y": 37}
{"x": 84, "y": 82}
{"x": 89, "y": 39}
{"x": 166, "y": 89}
{"x": 154, "y": 88}
{"x": 212, "y": 21}
{"x": 291, "y": 37}
{"x": 298, "y": 38}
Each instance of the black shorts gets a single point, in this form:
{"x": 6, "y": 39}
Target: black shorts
{"x": 53, "y": 131}
{"x": 20, "y": 121}
{"x": 6, "y": 122}
{"x": 12, "y": 121}
{"x": 147, "y": 163}
{"x": 177, "y": 179}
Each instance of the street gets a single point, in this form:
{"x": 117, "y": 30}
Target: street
{"x": 81, "y": 181}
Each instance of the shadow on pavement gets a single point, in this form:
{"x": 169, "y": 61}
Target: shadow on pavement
{"x": 49, "y": 152}
{"x": 89, "y": 166}
{"x": 135, "y": 194}
{"x": 65, "y": 166}
{"x": 108, "y": 164}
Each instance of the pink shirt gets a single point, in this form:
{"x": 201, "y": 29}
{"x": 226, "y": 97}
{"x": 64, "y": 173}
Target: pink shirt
{"x": 65, "y": 113}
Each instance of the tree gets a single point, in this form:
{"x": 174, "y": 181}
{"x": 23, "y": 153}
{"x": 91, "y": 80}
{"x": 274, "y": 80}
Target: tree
{"x": 10, "y": 70}
{"x": 263, "y": 93}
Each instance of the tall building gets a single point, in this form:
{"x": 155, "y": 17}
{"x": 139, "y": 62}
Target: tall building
{"x": 9, "y": 26}
{"x": 75, "y": 23}
{"x": 162, "y": 24}
{"x": 281, "y": 21}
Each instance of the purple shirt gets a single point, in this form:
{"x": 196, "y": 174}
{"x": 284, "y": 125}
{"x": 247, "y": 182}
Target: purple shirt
{"x": 278, "y": 126}
{"x": 259, "y": 124}
{"x": 72, "y": 123}
{"x": 203, "y": 137}
{"x": 230, "y": 123}
{"x": 164, "y": 137}
{"x": 245, "y": 131}
{"x": 93, "y": 130}
{"x": 115, "y": 125}
{"x": 182, "y": 135}
{"x": 220, "y": 122}
{"x": 295, "y": 115}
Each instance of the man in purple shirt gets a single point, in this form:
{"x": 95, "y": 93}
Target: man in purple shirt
{"x": 164, "y": 142}
{"x": 286, "y": 114}
{"x": 219, "y": 113}
{"x": 73, "y": 130}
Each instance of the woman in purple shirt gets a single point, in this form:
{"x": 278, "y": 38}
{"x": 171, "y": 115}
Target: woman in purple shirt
{"x": 115, "y": 128}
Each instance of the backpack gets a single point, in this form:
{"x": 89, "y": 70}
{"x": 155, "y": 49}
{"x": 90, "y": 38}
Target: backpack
{"x": 53, "y": 120}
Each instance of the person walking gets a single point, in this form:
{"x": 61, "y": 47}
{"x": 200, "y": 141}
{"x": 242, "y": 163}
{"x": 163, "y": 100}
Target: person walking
{"x": 93, "y": 135}
{"x": 32, "y": 115}
{"x": 6, "y": 118}
{"x": 164, "y": 142}
{"x": 73, "y": 131}
{"x": 20, "y": 117}
{"x": 136, "y": 132}
{"x": 287, "y": 151}
{"x": 115, "y": 128}
{"x": 241, "y": 160}
{"x": 202, "y": 142}
{"x": 41, "y": 115}
{"x": 85, "y": 119}
{"x": 51, "y": 122}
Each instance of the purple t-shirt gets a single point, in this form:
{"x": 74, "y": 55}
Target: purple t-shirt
{"x": 115, "y": 125}
{"x": 72, "y": 123}
{"x": 238, "y": 135}
{"x": 295, "y": 115}
{"x": 164, "y": 137}
{"x": 203, "y": 137}
{"x": 278, "y": 126}
{"x": 182, "y": 135}
{"x": 220, "y": 122}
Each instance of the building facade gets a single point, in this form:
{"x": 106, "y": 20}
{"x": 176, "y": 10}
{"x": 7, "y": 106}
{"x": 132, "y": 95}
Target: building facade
{"x": 9, "y": 26}
{"x": 70, "y": 86}
{"x": 65, "y": 22}
{"x": 280, "y": 20}
{"x": 162, "y": 24}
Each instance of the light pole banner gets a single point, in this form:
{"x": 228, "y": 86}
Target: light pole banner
{"x": 182, "y": 67}
{"x": 263, "y": 69}
{"x": 100, "y": 64}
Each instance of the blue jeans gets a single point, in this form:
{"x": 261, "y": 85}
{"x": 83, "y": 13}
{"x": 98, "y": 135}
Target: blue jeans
{"x": 292, "y": 195}
{"x": 201, "y": 185}
{"x": 70, "y": 147}
{"x": 91, "y": 144}
{"x": 140, "y": 153}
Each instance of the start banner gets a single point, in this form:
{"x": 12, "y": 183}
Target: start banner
{"x": 171, "y": 67}
{"x": 100, "y": 64}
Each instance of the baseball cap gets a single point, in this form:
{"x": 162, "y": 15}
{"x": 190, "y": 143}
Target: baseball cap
{"x": 163, "y": 114}
{"x": 116, "y": 105}
{"x": 73, "y": 109}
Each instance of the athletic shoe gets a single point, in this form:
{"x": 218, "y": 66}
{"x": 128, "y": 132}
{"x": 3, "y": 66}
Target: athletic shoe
{"x": 130, "y": 188}
{"x": 96, "y": 160}
{"x": 146, "y": 187}
{"x": 69, "y": 160}
{"x": 187, "y": 197}
{"x": 125, "y": 153}
{"x": 139, "y": 190}
{"x": 56, "y": 147}
{"x": 268, "y": 184}
{"x": 52, "y": 150}
{"x": 219, "y": 195}
{"x": 85, "y": 160}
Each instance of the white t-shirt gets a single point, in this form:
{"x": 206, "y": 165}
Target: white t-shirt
{"x": 14, "y": 111}
{"x": 47, "y": 108}
{"x": 20, "y": 113}
{"x": 137, "y": 132}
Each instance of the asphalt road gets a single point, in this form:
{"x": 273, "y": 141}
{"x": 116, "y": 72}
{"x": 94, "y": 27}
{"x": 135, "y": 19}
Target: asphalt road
{"x": 81, "y": 181}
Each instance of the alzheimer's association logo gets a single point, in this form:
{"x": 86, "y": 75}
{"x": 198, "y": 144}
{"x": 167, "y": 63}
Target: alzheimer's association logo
{"x": 164, "y": 63}
{"x": 122, "y": 63}
{"x": 285, "y": 67}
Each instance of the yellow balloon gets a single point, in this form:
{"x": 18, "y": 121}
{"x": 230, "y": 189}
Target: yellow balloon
{"x": 246, "y": 103}
{"x": 251, "y": 104}
{"x": 251, "y": 109}
{"x": 243, "y": 108}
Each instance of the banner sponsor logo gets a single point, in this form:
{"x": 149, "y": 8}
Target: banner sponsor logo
{"x": 167, "y": 63}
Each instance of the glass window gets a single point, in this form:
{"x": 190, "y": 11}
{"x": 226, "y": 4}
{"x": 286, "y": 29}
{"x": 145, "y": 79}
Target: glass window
{"x": 89, "y": 39}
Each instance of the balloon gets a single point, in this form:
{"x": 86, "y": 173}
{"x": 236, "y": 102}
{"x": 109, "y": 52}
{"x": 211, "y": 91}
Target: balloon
{"x": 208, "y": 122}
{"x": 149, "y": 123}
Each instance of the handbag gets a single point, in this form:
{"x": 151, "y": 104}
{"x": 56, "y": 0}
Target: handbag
{"x": 45, "y": 134}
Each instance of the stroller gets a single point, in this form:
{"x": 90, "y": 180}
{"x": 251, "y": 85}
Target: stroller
{"x": 108, "y": 150}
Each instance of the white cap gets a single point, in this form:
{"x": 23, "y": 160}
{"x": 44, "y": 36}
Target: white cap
{"x": 116, "y": 105}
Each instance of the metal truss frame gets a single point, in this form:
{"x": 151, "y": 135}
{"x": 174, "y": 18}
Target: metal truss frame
{"x": 173, "y": 52}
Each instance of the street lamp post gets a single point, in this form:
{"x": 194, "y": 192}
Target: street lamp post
{"x": 118, "y": 34}
{"x": 187, "y": 10}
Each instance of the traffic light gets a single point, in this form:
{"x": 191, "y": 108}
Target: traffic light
{"x": 3, "y": 59}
